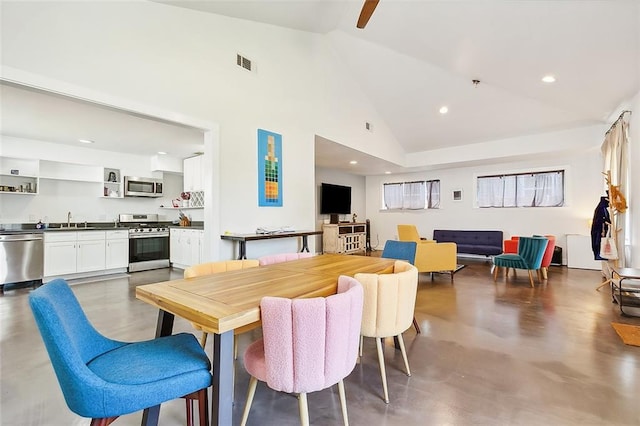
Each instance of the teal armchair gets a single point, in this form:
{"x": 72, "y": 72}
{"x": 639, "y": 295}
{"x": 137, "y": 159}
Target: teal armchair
{"x": 530, "y": 253}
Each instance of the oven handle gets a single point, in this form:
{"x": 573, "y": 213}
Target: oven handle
{"x": 136, "y": 236}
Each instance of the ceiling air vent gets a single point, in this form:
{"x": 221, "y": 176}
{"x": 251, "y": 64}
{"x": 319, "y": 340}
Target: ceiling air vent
{"x": 243, "y": 62}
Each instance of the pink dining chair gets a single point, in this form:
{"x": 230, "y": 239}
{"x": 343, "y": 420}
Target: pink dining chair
{"x": 307, "y": 345}
{"x": 282, "y": 257}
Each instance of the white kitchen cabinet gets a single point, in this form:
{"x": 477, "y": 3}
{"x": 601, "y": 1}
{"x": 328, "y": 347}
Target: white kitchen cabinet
{"x": 90, "y": 253}
{"x": 90, "y": 256}
{"x": 185, "y": 247}
{"x": 193, "y": 180}
{"x": 76, "y": 254}
{"x": 117, "y": 249}
{"x": 59, "y": 253}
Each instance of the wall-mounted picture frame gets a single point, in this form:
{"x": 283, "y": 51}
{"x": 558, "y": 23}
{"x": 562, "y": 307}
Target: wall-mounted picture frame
{"x": 456, "y": 195}
{"x": 269, "y": 169}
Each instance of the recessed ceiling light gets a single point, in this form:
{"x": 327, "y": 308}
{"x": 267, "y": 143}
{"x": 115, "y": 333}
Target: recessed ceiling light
{"x": 444, "y": 110}
{"x": 85, "y": 141}
{"x": 162, "y": 153}
{"x": 387, "y": 173}
{"x": 549, "y": 79}
{"x": 353, "y": 162}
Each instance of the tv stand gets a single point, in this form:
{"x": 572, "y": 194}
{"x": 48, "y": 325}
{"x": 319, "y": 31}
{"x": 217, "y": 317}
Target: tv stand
{"x": 344, "y": 238}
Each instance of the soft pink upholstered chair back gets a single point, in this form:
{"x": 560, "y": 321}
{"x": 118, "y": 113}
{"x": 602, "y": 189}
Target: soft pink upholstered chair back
{"x": 282, "y": 257}
{"x": 311, "y": 344}
{"x": 389, "y": 300}
{"x": 220, "y": 266}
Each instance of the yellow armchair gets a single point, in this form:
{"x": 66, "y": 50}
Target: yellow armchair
{"x": 431, "y": 256}
{"x": 410, "y": 233}
{"x": 437, "y": 257}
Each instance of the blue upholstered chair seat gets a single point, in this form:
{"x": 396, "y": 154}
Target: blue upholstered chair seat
{"x": 136, "y": 375}
{"x": 148, "y": 361}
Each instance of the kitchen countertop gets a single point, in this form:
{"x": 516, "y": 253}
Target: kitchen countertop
{"x": 24, "y": 228}
{"x": 196, "y": 226}
{"x": 17, "y": 228}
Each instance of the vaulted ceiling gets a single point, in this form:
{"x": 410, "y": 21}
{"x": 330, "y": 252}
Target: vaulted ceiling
{"x": 415, "y": 57}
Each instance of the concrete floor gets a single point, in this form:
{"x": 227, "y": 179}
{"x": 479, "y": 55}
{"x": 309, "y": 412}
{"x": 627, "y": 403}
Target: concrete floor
{"x": 496, "y": 354}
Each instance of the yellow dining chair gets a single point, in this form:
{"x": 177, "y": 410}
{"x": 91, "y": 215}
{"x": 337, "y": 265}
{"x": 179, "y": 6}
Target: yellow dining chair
{"x": 389, "y": 303}
{"x": 210, "y": 268}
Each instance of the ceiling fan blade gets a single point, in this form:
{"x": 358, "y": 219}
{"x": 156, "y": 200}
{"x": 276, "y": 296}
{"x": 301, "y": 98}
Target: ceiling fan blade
{"x": 367, "y": 10}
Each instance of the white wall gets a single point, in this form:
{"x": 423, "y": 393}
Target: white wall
{"x": 584, "y": 186}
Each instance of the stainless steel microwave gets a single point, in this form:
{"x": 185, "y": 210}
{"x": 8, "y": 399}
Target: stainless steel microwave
{"x": 142, "y": 187}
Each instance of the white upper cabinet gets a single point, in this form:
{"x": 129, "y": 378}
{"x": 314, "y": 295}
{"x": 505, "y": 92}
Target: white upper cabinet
{"x": 193, "y": 168}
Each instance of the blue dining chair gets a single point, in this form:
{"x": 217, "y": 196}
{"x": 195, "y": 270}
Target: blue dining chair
{"x": 402, "y": 250}
{"x": 103, "y": 378}
{"x": 530, "y": 253}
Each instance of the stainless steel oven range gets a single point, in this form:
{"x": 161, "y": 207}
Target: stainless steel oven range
{"x": 148, "y": 242}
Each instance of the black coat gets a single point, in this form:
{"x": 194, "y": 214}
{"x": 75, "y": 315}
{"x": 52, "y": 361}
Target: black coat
{"x": 599, "y": 226}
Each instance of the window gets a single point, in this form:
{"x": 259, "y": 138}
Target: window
{"x": 419, "y": 195}
{"x": 522, "y": 190}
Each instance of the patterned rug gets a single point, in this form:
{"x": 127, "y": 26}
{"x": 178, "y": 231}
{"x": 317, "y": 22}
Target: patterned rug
{"x": 630, "y": 334}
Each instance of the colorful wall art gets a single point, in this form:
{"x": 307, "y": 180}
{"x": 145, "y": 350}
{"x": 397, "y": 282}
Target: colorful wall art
{"x": 269, "y": 169}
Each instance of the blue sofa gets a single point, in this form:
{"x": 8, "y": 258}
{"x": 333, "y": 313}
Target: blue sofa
{"x": 487, "y": 243}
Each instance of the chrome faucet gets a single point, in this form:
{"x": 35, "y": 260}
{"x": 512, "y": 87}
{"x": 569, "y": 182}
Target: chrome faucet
{"x": 69, "y": 220}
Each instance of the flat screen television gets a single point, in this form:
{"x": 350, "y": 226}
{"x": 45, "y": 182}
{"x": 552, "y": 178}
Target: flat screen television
{"x": 335, "y": 199}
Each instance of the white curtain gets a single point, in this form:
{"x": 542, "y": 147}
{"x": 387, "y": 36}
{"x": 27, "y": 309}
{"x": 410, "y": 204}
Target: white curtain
{"x": 522, "y": 190}
{"x": 414, "y": 195}
{"x": 433, "y": 189}
{"x": 549, "y": 189}
{"x": 615, "y": 152}
{"x": 393, "y": 195}
{"x": 490, "y": 191}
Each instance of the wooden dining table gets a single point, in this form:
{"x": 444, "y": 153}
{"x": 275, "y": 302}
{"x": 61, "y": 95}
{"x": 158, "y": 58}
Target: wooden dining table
{"x": 230, "y": 301}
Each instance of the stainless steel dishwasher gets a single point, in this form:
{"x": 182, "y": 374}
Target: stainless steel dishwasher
{"x": 21, "y": 258}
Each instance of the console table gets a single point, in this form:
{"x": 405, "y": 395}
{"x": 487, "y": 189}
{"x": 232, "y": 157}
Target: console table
{"x": 625, "y": 287}
{"x": 344, "y": 238}
{"x": 243, "y": 238}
